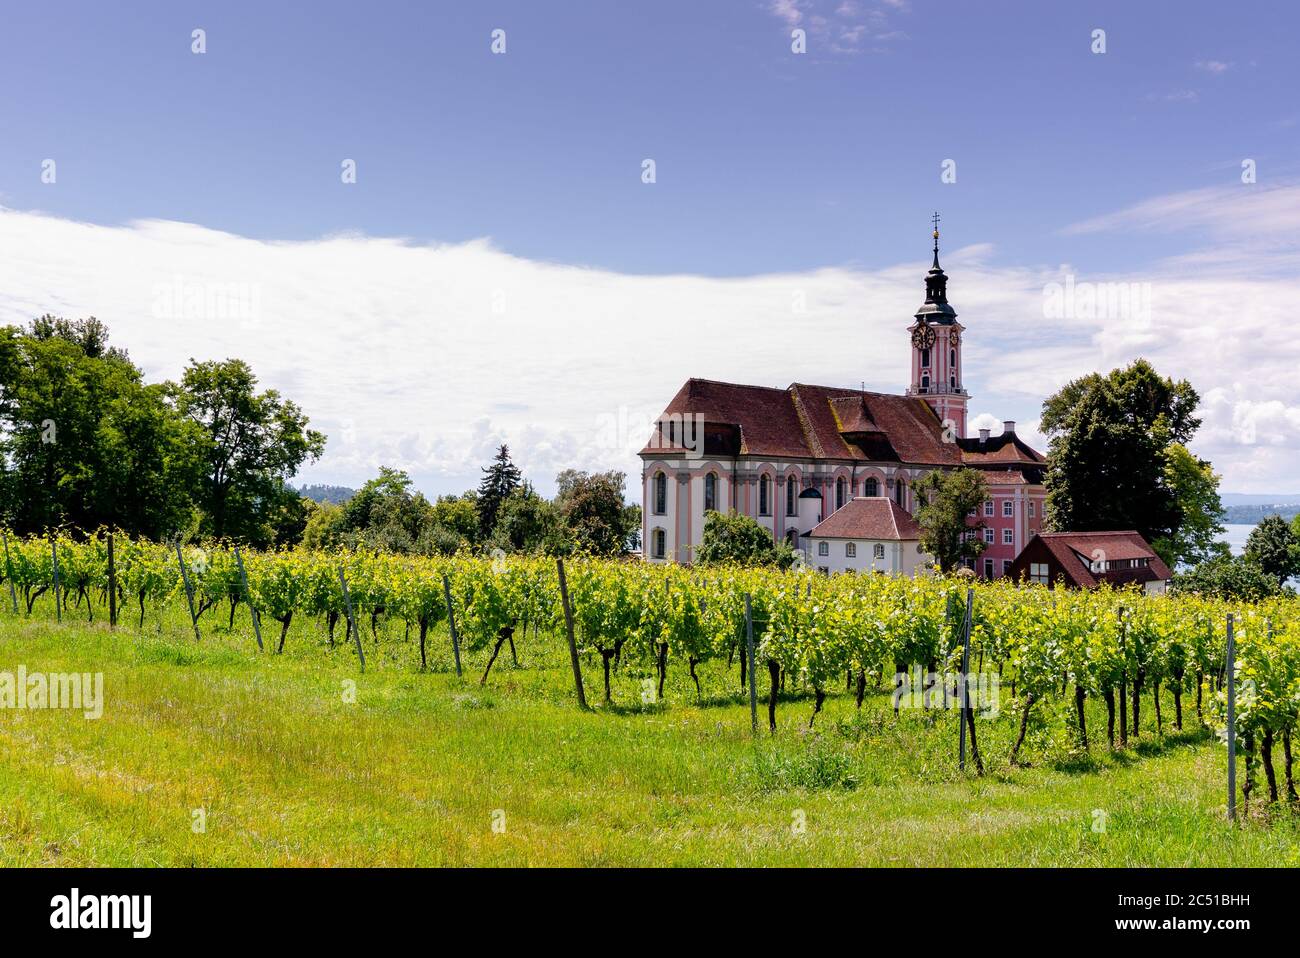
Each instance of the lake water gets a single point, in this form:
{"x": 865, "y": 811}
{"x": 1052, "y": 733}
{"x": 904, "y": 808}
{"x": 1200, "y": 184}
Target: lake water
{"x": 1235, "y": 536}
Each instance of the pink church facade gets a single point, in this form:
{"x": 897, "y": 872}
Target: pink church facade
{"x": 791, "y": 457}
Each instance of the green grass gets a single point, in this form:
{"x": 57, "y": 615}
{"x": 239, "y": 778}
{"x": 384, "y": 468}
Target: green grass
{"x": 413, "y": 772}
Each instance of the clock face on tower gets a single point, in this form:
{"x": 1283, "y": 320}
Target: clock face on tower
{"x": 923, "y": 337}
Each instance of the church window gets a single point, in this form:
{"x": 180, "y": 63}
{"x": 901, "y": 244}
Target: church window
{"x": 792, "y": 496}
{"x": 764, "y": 495}
{"x": 658, "y": 540}
{"x": 661, "y": 494}
{"x": 839, "y": 493}
{"x": 925, "y": 358}
{"x": 871, "y": 487}
{"x": 900, "y": 493}
{"x": 952, "y": 358}
{"x": 710, "y": 493}
{"x": 672, "y": 432}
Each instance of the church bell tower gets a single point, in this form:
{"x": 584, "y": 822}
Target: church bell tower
{"x": 936, "y": 350}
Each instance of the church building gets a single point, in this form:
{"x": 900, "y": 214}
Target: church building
{"x": 792, "y": 457}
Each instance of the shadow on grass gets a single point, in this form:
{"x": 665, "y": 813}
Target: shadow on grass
{"x": 1100, "y": 756}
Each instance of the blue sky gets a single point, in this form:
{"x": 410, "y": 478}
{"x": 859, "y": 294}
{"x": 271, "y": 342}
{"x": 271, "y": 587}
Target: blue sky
{"x": 768, "y": 163}
{"x": 765, "y": 160}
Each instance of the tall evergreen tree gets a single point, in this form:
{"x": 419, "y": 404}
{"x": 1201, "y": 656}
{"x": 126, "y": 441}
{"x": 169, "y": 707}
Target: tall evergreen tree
{"x": 499, "y": 480}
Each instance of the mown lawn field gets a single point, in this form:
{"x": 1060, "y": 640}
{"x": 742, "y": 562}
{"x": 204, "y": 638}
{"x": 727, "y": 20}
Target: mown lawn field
{"x": 211, "y": 753}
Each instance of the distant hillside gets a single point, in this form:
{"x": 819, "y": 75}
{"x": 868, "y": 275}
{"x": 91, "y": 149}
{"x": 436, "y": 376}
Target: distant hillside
{"x": 332, "y": 494}
{"x": 1251, "y": 514}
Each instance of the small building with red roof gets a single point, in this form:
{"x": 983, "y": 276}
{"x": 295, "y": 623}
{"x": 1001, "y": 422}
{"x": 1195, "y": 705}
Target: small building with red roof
{"x": 869, "y": 534}
{"x": 1084, "y": 560}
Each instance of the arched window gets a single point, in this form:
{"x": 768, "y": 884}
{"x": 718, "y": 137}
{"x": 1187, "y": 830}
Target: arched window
{"x": 925, "y": 358}
{"x": 839, "y": 493}
{"x": 710, "y": 493}
{"x": 792, "y": 496}
{"x": 764, "y": 495}
{"x": 925, "y": 382}
{"x": 871, "y": 487}
{"x": 661, "y": 494}
{"x": 900, "y": 493}
{"x": 672, "y": 432}
{"x": 658, "y": 543}
{"x": 952, "y": 358}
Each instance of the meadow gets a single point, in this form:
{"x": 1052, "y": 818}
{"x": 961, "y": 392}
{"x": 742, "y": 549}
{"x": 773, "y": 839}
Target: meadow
{"x": 212, "y": 753}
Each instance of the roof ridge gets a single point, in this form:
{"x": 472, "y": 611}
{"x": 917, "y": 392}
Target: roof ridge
{"x": 723, "y": 382}
{"x": 809, "y": 434}
{"x": 1094, "y": 532}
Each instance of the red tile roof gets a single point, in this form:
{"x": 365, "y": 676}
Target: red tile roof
{"x": 1067, "y": 547}
{"x": 1006, "y": 449}
{"x": 868, "y": 518}
{"x": 818, "y": 422}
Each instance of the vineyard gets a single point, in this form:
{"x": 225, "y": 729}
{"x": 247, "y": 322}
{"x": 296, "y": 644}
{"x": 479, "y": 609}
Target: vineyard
{"x": 1047, "y": 654}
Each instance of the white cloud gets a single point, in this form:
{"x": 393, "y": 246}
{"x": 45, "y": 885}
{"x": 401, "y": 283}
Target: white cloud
{"x": 1213, "y": 66}
{"x": 1238, "y": 211}
{"x": 791, "y": 11}
{"x": 841, "y": 28}
{"x": 425, "y": 357}
{"x": 1174, "y": 96}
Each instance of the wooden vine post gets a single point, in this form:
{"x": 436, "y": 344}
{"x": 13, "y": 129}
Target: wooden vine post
{"x": 963, "y": 693}
{"x": 189, "y": 591}
{"x": 749, "y": 645}
{"x": 1230, "y": 667}
{"x": 451, "y": 622}
{"x": 9, "y": 572}
{"x": 568, "y": 627}
{"x": 248, "y": 597}
{"x": 352, "y": 622}
{"x": 54, "y": 553}
{"x": 112, "y": 586}
{"x": 967, "y": 710}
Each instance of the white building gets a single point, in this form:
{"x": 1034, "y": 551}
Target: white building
{"x": 867, "y": 535}
{"x": 790, "y": 458}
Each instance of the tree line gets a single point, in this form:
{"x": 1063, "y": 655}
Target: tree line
{"x": 86, "y": 442}
{"x": 587, "y": 516}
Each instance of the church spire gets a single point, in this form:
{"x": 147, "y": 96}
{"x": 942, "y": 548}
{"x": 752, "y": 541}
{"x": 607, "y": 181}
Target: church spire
{"x": 936, "y": 308}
